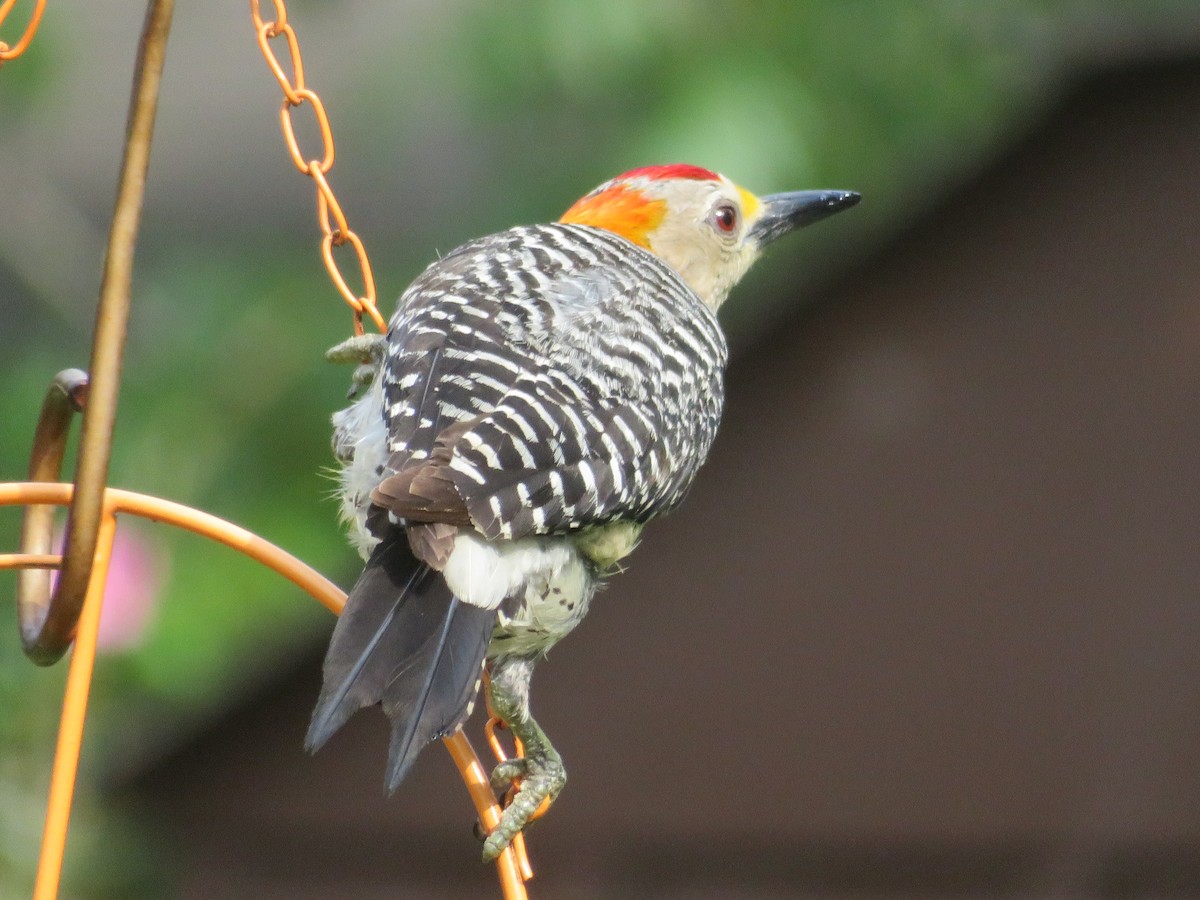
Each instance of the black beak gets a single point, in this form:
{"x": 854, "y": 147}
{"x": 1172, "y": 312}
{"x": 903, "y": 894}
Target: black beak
{"x": 786, "y": 212}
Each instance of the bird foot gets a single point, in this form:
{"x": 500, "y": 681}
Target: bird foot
{"x": 542, "y": 777}
{"x": 367, "y": 351}
{"x": 509, "y": 771}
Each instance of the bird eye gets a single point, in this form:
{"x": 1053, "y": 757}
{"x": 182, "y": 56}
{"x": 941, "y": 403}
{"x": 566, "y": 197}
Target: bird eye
{"x": 725, "y": 218}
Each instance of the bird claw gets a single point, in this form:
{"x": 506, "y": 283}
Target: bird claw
{"x": 509, "y": 771}
{"x": 367, "y": 350}
{"x": 542, "y": 777}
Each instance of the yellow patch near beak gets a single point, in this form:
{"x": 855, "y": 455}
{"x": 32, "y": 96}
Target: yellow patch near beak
{"x": 751, "y": 205}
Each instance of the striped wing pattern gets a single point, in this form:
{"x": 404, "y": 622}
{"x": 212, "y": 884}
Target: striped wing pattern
{"x": 547, "y": 378}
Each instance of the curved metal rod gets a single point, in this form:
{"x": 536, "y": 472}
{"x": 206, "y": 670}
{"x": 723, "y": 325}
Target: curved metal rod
{"x": 194, "y": 520}
{"x": 71, "y": 721}
{"x": 7, "y": 53}
{"x": 64, "y": 398}
{"x": 510, "y": 864}
{"x": 46, "y": 642}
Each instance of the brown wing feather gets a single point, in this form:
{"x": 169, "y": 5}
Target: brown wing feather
{"x": 422, "y": 494}
{"x": 423, "y": 489}
{"x": 432, "y": 543}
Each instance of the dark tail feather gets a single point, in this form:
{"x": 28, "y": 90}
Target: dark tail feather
{"x": 405, "y": 641}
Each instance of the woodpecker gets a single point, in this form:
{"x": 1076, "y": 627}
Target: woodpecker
{"x": 541, "y": 394}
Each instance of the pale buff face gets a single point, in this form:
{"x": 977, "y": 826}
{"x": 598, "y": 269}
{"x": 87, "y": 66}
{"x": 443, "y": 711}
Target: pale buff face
{"x": 704, "y": 234}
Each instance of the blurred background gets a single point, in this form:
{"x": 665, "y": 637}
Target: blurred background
{"x": 927, "y": 626}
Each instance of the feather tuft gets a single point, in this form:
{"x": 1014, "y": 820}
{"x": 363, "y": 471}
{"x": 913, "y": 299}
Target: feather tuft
{"x": 406, "y": 642}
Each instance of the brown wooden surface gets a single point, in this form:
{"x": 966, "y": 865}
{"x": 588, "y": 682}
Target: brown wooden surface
{"x": 928, "y": 626}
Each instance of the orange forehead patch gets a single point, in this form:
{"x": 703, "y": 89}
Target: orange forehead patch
{"x": 620, "y": 209}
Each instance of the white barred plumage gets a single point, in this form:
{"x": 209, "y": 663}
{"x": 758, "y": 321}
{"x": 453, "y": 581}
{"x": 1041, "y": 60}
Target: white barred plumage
{"x": 571, "y": 392}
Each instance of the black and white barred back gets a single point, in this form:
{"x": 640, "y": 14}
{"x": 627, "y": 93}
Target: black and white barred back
{"x": 566, "y": 376}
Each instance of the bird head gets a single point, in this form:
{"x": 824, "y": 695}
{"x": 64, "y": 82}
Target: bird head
{"x": 700, "y": 223}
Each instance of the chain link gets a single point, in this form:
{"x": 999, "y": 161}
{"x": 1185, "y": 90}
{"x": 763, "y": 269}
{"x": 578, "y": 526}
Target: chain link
{"x": 337, "y": 232}
{"x": 334, "y": 227}
{"x": 7, "y": 52}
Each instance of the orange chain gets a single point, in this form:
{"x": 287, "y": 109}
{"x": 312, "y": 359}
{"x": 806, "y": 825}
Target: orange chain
{"x": 338, "y": 232}
{"x": 329, "y": 212}
{"x": 7, "y": 52}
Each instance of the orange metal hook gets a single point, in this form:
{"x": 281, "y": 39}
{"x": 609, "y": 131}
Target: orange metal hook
{"x": 512, "y": 864}
{"x": 48, "y": 622}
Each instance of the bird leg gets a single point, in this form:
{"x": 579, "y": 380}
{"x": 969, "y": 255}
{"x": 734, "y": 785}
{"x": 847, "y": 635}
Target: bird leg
{"x": 540, "y": 770}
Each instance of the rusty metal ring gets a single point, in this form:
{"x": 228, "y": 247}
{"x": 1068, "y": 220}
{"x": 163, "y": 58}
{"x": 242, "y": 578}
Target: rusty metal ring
{"x": 47, "y": 618}
{"x": 48, "y": 622}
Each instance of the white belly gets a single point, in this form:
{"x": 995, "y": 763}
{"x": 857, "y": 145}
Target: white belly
{"x": 539, "y": 587}
{"x": 550, "y": 606}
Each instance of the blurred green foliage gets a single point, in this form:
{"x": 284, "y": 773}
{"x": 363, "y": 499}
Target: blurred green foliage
{"x": 225, "y": 403}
